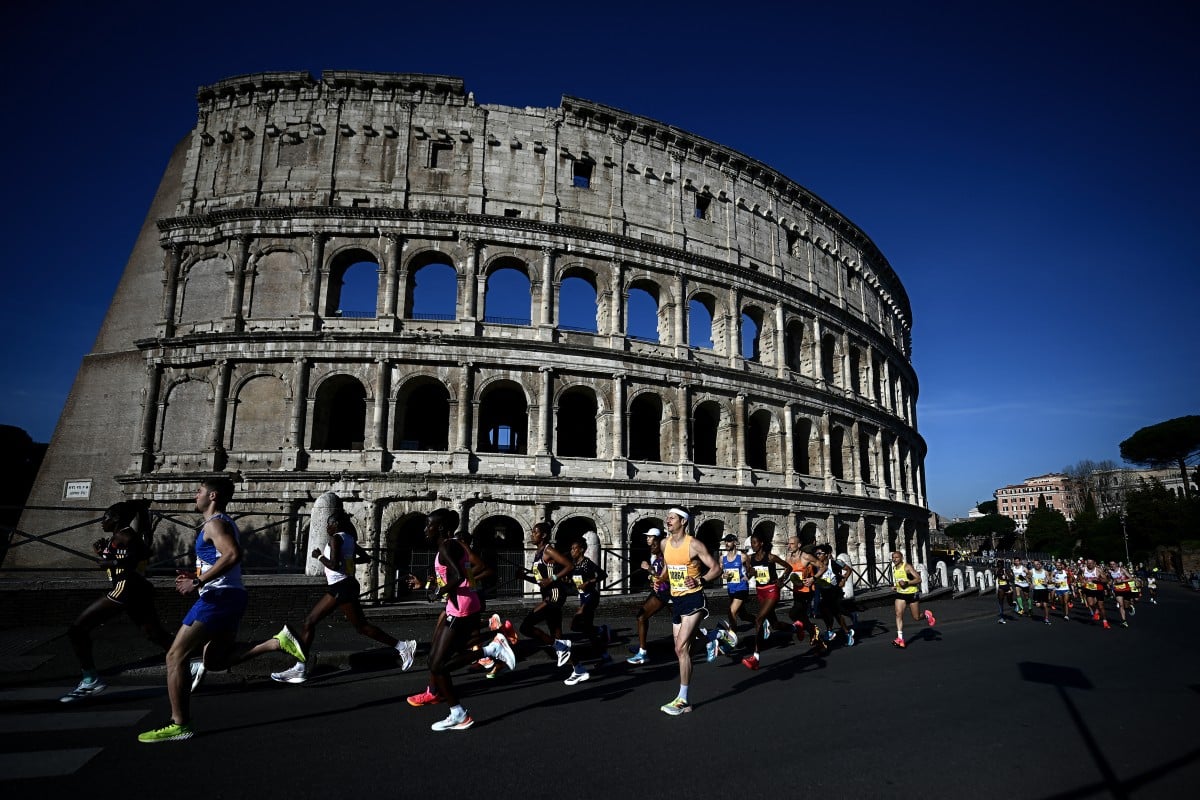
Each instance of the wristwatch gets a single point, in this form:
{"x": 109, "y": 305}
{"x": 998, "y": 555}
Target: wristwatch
{"x": 195, "y": 583}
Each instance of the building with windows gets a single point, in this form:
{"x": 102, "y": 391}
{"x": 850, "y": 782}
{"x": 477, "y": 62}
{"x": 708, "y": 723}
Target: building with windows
{"x": 744, "y": 348}
{"x": 1019, "y": 500}
{"x": 1110, "y": 486}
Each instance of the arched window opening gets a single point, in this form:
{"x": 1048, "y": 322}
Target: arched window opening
{"x": 765, "y": 530}
{"x": 794, "y": 342}
{"x": 864, "y": 457}
{"x": 576, "y": 430}
{"x": 340, "y": 415}
{"x": 706, "y": 421}
{"x": 836, "y": 437}
{"x": 841, "y": 540}
{"x": 829, "y": 359}
{"x": 641, "y": 318}
{"x": 645, "y": 426}
{"x": 503, "y": 420}
{"x": 405, "y": 553}
{"x": 433, "y": 292}
{"x": 700, "y": 322}
{"x": 710, "y": 533}
{"x": 507, "y": 297}
{"x": 758, "y": 433}
{"x": 751, "y": 344}
{"x": 577, "y": 305}
{"x": 876, "y": 387}
{"x": 889, "y": 444}
{"x": 423, "y": 418}
{"x": 353, "y": 286}
{"x": 808, "y": 534}
{"x": 855, "y": 366}
{"x": 801, "y": 436}
{"x": 499, "y": 542}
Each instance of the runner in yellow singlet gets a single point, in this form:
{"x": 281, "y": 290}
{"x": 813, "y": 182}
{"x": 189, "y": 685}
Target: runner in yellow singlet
{"x": 683, "y": 556}
{"x": 908, "y": 586}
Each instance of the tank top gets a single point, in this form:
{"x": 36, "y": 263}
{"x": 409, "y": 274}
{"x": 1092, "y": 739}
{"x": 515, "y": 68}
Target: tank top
{"x": 1059, "y": 577}
{"x": 1020, "y": 576}
{"x": 466, "y": 599}
{"x": 800, "y": 571}
{"x": 344, "y": 570}
{"x": 900, "y": 573}
{"x": 1039, "y": 577}
{"x": 764, "y": 572}
{"x": 130, "y": 559}
{"x": 681, "y": 566}
{"x": 734, "y": 572}
{"x": 207, "y": 555}
{"x": 1091, "y": 579}
{"x": 657, "y": 584}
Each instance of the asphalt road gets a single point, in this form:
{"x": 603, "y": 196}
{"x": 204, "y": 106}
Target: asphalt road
{"x": 971, "y": 709}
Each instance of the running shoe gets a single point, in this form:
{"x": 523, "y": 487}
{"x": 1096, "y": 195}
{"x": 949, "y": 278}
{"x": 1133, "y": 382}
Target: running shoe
{"x": 289, "y": 644}
{"x": 1124, "y": 623}
{"x": 676, "y": 707}
{"x": 493, "y": 672}
{"x": 750, "y": 662}
{"x": 1067, "y": 617}
{"x": 425, "y": 698}
{"x": 1002, "y": 621}
{"x": 830, "y": 635}
{"x": 710, "y": 651}
{"x": 86, "y": 688}
{"x": 1132, "y": 610}
{"x": 577, "y": 677}
{"x": 898, "y": 642}
{"x": 1106, "y": 625}
{"x": 562, "y": 650}
{"x": 850, "y": 638}
{"x": 929, "y": 618}
{"x": 766, "y": 629}
{"x": 1046, "y": 621}
{"x": 494, "y": 622}
{"x": 637, "y": 658}
{"x": 799, "y": 626}
{"x": 605, "y": 660}
{"x": 502, "y": 651}
{"x": 168, "y": 733}
{"x": 406, "y": 649}
{"x": 1095, "y": 615}
{"x": 297, "y": 674}
{"x": 198, "y": 671}
{"x": 453, "y": 722}
{"x": 485, "y": 663}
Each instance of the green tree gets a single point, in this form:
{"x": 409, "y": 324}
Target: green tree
{"x": 1047, "y": 530}
{"x": 988, "y": 507}
{"x": 1169, "y": 443}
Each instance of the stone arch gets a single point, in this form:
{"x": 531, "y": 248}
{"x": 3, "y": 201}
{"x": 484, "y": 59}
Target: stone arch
{"x": 702, "y": 321}
{"x": 339, "y": 413}
{"x": 431, "y": 291}
{"x": 754, "y": 335}
{"x": 838, "y": 457}
{"x": 769, "y": 529}
{"x": 803, "y": 442}
{"x": 352, "y": 289}
{"x": 503, "y": 418}
{"x": 809, "y": 534}
{"x": 710, "y": 532}
{"x": 576, "y": 412}
{"x": 508, "y": 291}
{"x": 578, "y": 307}
{"x": 646, "y": 316}
{"x": 764, "y": 440}
{"x": 639, "y": 551}
{"x": 205, "y": 289}
{"x": 405, "y": 552}
{"x": 276, "y": 283}
{"x": 795, "y": 344}
{"x": 422, "y": 414}
{"x": 187, "y": 412}
{"x": 650, "y": 423}
{"x": 499, "y": 541}
{"x": 706, "y": 432}
{"x": 260, "y": 414}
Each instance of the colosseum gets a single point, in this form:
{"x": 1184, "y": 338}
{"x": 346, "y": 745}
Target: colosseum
{"x": 630, "y": 317}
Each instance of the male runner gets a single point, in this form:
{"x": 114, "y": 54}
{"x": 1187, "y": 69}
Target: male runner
{"x": 908, "y": 586}
{"x": 684, "y": 556}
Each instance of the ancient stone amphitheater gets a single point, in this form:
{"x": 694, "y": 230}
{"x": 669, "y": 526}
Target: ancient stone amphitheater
{"x": 731, "y": 343}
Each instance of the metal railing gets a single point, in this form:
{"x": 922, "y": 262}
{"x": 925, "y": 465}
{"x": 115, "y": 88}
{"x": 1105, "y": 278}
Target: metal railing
{"x": 432, "y": 317}
{"x": 495, "y": 320}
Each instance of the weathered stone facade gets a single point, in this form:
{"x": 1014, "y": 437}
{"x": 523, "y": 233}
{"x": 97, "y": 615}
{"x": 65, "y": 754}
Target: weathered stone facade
{"x": 224, "y": 348}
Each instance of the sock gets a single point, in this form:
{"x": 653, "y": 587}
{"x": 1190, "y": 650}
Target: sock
{"x": 900, "y": 635}
{"x": 682, "y": 692}
{"x": 641, "y": 651}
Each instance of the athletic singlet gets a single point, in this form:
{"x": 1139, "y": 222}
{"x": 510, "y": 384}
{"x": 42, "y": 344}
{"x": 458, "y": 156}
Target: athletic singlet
{"x": 1121, "y": 579}
{"x": 339, "y": 572}
{"x": 466, "y": 599}
{"x": 1091, "y": 579}
{"x": 1060, "y": 580}
{"x": 734, "y": 570}
{"x": 130, "y": 559}
{"x": 900, "y": 573}
{"x": 207, "y": 555}
{"x": 681, "y": 566}
{"x": 1039, "y": 577}
{"x": 1020, "y": 577}
{"x": 1002, "y": 578}
{"x": 765, "y": 574}
{"x": 826, "y": 578}
{"x": 800, "y": 571}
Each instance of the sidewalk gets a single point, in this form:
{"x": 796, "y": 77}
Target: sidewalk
{"x": 42, "y": 654}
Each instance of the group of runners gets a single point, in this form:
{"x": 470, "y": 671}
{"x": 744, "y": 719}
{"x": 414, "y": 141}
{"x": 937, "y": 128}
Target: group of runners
{"x": 1039, "y": 590}
{"x": 679, "y": 568}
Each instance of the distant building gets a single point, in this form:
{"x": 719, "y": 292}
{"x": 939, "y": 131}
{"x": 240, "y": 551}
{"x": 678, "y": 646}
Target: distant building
{"x": 1019, "y": 500}
{"x": 1110, "y": 486}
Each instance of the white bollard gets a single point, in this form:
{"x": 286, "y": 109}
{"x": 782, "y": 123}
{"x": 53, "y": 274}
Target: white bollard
{"x": 970, "y": 573}
{"x": 943, "y": 571}
{"x": 958, "y": 580}
{"x": 848, "y": 586}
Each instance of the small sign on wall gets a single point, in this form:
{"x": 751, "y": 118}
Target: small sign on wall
{"x": 77, "y": 490}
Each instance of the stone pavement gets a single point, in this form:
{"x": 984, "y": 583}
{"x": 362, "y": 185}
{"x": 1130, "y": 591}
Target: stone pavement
{"x": 35, "y": 653}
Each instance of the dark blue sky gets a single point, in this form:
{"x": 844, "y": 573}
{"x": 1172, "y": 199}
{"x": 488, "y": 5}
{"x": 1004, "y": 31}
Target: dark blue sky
{"x": 1030, "y": 170}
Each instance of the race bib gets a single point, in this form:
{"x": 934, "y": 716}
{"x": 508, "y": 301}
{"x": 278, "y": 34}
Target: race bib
{"x": 677, "y": 577}
{"x": 731, "y": 576}
{"x": 762, "y": 575}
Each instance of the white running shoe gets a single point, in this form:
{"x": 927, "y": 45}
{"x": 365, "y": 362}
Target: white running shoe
{"x": 502, "y": 651}
{"x": 198, "y": 671}
{"x": 454, "y": 722}
{"x": 405, "y": 650}
{"x": 562, "y": 650}
{"x": 577, "y": 677}
{"x": 297, "y": 674}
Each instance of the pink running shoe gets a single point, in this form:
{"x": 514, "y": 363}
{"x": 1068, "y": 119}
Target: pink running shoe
{"x": 425, "y": 698}
{"x": 929, "y": 618}
{"x": 898, "y": 642}
{"x": 750, "y": 662}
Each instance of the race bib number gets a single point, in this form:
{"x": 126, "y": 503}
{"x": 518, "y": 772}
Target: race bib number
{"x": 578, "y": 582}
{"x": 731, "y": 576}
{"x": 762, "y": 575}
{"x": 677, "y": 577}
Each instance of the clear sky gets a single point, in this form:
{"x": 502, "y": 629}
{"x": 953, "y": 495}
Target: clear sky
{"x": 1030, "y": 170}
